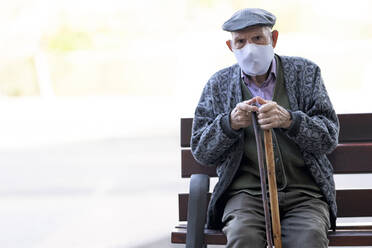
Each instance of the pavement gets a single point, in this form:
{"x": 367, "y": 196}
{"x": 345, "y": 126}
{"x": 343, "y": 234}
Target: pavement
{"x": 109, "y": 193}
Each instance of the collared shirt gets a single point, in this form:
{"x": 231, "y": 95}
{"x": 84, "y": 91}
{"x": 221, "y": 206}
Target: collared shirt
{"x": 266, "y": 89}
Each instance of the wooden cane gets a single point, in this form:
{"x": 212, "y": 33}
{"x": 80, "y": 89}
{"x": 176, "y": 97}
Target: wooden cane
{"x": 273, "y": 191}
{"x": 262, "y": 171}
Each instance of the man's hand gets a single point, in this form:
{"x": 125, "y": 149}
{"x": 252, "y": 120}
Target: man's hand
{"x": 241, "y": 115}
{"x": 272, "y": 115}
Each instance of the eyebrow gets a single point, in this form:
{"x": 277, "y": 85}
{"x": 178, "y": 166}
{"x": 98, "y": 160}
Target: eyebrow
{"x": 236, "y": 38}
{"x": 254, "y": 33}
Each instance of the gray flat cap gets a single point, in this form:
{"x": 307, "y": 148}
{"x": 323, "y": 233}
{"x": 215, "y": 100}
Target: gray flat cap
{"x": 249, "y": 17}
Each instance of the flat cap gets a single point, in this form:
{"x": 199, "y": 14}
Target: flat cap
{"x": 249, "y": 17}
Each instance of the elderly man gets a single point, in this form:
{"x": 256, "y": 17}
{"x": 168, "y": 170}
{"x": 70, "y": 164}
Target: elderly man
{"x": 289, "y": 96}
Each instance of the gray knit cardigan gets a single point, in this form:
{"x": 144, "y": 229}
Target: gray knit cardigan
{"x": 314, "y": 129}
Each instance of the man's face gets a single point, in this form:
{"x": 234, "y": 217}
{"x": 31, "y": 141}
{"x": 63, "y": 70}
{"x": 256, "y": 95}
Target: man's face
{"x": 259, "y": 35}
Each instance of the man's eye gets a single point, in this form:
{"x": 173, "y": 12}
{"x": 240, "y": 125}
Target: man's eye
{"x": 240, "y": 41}
{"x": 257, "y": 38}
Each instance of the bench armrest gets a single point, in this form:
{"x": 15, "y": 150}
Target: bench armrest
{"x": 197, "y": 210}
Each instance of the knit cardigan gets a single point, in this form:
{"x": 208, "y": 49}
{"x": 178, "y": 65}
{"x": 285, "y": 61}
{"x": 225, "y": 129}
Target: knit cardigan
{"x": 314, "y": 129}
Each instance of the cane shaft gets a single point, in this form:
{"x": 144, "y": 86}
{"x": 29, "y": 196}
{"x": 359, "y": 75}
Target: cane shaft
{"x": 263, "y": 180}
{"x": 273, "y": 192}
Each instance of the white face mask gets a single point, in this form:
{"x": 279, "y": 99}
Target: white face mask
{"x": 254, "y": 59}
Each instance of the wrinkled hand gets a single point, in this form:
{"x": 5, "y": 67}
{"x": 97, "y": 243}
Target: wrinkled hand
{"x": 272, "y": 115}
{"x": 241, "y": 115}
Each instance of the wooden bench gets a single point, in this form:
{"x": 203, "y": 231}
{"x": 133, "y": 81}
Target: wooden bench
{"x": 353, "y": 155}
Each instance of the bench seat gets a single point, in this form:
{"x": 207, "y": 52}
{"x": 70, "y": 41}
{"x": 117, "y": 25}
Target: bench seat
{"x": 345, "y": 236}
{"x": 353, "y": 155}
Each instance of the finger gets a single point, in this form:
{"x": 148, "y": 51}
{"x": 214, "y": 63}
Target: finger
{"x": 240, "y": 112}
{"x": 268, "y": 114}
{"x": 267, "y": 107}
{"x": 260, "y": 100}
{"x": 251, "y": 101}
{"x": 242, "y": 115}
{"x": 243, "y": 111}
{"x": 244, "y": 106}
{"x": 242, "y": 118}
{"x": 267, "y": 126}
{"x": 266, "y": 121}
{"x": 245, "y": 123}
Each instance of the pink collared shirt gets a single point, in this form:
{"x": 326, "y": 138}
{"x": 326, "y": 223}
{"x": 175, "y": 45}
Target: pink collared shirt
{"x": 266, "y": 89}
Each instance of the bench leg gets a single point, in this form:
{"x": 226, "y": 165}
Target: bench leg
{"x": 197, "y": 211}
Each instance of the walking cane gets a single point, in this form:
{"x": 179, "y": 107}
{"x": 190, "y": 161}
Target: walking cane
{"x": 272, "y": 185}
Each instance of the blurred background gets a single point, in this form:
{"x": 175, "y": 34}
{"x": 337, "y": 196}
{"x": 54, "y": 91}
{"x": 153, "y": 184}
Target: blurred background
{"x": 91, "y": 93}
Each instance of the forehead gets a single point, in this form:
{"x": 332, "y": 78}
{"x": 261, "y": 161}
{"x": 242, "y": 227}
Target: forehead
{"x": 250, "y": 31}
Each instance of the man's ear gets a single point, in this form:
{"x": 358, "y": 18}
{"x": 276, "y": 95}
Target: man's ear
{"x": 228, "y": 43}
{"x": 274, "y": 35}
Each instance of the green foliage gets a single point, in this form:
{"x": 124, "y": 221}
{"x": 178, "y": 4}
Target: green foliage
{"x": 18, "y": 77}
{"x": 66, "y": 40}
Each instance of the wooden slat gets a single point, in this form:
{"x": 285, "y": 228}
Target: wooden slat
{"x": 350, "y": 238}
{"x": 355, "y": 227}
{"x": 353, "y": 128}
{"x": 352, "y": 158}
{"x": 350, "y": 203}
{"x": 354, "y": 203}
{"x": 186, "y": 126}
{"x": 183, "y": 200}
{"x": 338, "y": 238}
{"x": 189, "y": 166}
{"x": 347, "y": 158}
{"x": 212, "y": 237}
{"x": 183, "y": 224}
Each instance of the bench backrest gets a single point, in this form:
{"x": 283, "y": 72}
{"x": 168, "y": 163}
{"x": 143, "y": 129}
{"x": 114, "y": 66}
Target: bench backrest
{"x": 353, "y": 155}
